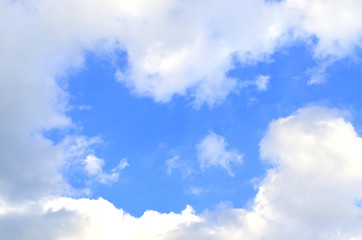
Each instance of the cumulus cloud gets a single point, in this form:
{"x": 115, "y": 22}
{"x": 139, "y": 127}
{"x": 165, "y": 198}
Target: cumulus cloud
{"x": 43, "y": 40}
{"x": 161, "y": 66}
{"x": 213, "y": 152}
{"x": 67, "y": 218}
{"x": 47, "y": 38}
{"x": 165, "y": 64}
{"x": 313, "y": 191}
{"x": 35, "y": 221}
{"x": 336, "y": 25}
{"x": 315, "y": 187}
{"x": 180, "y": 47}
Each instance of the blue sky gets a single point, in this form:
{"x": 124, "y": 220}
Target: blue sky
{"x": 181, "y": 119}
{"x": 148, "y": 133}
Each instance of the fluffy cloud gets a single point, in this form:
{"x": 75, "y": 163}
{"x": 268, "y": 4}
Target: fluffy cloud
{"x": 35, "y": 221}
{"x": 315, "y": 187}
{"x": 213, "y": 152}
{"x": 336, "y": 25}
{"x": 164, "y": 64}
{"x": 66, "y": 218}
{"x": 313, "y": 191}
{"x": 169, "y": 43}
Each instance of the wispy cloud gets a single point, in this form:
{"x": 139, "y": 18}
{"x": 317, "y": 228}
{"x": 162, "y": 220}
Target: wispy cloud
{"x": 261, "y": 82}
{"x": 94, "y": 167}
{"x": 213, "y": 152}
{"x": 175, "y": 163}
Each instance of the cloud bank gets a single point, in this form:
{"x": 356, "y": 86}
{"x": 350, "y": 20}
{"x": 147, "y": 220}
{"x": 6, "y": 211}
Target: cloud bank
{"x": 313, "y": 191}
{"x": 173, "y": 47}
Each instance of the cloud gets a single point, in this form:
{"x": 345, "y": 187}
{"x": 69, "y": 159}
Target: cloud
{"x": 48, "y": 38}
{"x": 67, "y": 218}
{"x": 84, "y": 107}
{"x": 35, "y": 221}
{"x": 196, "y": 190}
{"x": 318, "y": 73}
{"x": 315, "y": 182}
{"x": 336, "y": 25}
{"x": 94, "y": 167}
{"x": 213, "y": 152}
{"x": 261, "y": 82}
{"x": 175, "y": 163}
{"x": 45, "y": 40}
{"x": 163, "y": 65}
{"x": 313, "y": 191}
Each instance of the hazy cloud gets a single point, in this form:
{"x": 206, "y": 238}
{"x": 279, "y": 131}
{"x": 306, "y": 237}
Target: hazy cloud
{"x": 213, "y": 152}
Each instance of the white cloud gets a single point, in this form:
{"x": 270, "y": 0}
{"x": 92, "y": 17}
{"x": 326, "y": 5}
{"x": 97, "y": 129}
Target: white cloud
{"x": 196, "y": 190}
{"x": 337, "y": 25}
{"x": 68, "y": 219}
{"x": 165, "y": 64}
{"x": 80, "y": 154}
{"x": 312, "y": 192}
{"x": 42, "y": 40}
{"x": 84, "y": 107}
{"x": 262, "y": 82}
{"x": 318, "y": 73}
{"x": 183, "y": 166}
{"x": 213, "y": 152}
{"x": 315, "y": 185}
{"x": 172, "y": 164}
{"x": 47, "y": 38}
{"x": 94, "y": 167}
{"x": 34, "y": 221}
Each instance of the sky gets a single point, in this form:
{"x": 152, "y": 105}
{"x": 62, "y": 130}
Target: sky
{"x": 179, "y": 119}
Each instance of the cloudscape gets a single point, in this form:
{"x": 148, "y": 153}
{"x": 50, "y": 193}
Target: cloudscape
{"x": 180, "y": 119}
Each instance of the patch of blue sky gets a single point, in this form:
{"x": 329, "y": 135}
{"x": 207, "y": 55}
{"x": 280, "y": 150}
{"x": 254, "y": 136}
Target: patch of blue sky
{"x": 149, "y": 133}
